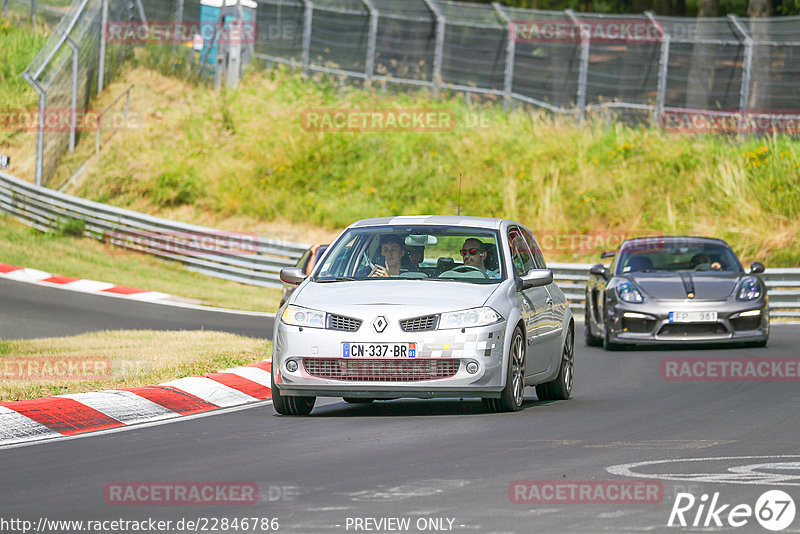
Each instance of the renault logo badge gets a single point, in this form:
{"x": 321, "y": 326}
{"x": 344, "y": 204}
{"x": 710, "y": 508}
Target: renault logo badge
{"x": 379, "y": 324}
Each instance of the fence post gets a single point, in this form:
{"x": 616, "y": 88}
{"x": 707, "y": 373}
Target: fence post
{"x": 511, "y": 50}
{"x": 441, "y": 26}
{"x": 584, "y": 64}
{"x": 308, "y": 21}
{"x": 33, "y": 12}
{"x": 369, "y": 66}
{"x": 5, "y": 8}
{"x": 179, "y": 14}
{"x": 101, "y": 67}
{"x": 747, "y": 65}
{"x": 663, "y": 68}
{"x": 73, "y": 112}
{"x": 39, "y": 126}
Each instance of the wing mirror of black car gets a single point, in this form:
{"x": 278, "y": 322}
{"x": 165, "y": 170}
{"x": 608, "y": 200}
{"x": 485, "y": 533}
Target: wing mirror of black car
{"x": 292, "y": 275}
{"x": 757, "y": 268}
{"x": 605, "y": 255}
{"x": 537, "y": 278}
{"x": 599, "y": 270}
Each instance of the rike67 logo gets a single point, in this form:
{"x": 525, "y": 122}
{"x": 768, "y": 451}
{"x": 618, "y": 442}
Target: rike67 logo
{"x": 774, "y": 510}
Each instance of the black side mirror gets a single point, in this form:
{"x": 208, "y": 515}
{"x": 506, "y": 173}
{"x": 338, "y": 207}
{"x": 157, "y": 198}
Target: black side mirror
{"x": 605, "y": 255}
{"x": 292, "y": 275}
{"x": 757, "y": 268}
{"x": 598, "y": 270}
{"x": 537, "y": 278}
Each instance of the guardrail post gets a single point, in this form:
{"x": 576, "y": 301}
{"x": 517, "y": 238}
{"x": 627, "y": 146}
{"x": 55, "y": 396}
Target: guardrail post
{"x": 511, "y": 51}
{"x": 583, "y": 69}
{"x": 747, "y": 64}
{"x": 369, "y": 66}
{"x": 101, "y": 67}
{"x": 438, "y": 54}
{"x": 308, "y": 21}
{"x": 663, "y": 68}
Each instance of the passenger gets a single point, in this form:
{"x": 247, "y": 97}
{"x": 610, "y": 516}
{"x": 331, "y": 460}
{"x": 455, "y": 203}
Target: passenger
{"x": 393, "y": 250}
{"x": 704, "y": 259}
{"x": 414, "y": 257}
{"x": 475, "y": 253}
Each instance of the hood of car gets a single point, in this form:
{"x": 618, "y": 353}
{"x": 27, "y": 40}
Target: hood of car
{"x": 677, "y": 285}
{"x": 427, "y": 296}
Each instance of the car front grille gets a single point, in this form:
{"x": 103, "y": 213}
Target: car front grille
{"x": 419, "y": 324}
{"x": 340, "y": 322}
{"x": 746, "y": 323}
{"x": 381, "y": 370}
{"x": 690, "y": 330}
{"x": 638, "y": 326}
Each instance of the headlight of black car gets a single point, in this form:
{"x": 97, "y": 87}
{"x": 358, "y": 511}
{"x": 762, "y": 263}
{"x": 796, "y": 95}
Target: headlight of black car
{"x": 629, "y": 292}
{"x": 750, "y": 289}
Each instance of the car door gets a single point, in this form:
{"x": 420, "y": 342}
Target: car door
{"x": 532, "y": 304}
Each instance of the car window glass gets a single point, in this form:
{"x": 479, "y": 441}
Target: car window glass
{"x": 521, "y": 257}
{"x": 538, "y": 257}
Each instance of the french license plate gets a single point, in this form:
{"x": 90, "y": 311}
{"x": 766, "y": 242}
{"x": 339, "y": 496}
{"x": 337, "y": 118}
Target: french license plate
{"x": 692, "y": 317}
{"x": 379, "y": 350}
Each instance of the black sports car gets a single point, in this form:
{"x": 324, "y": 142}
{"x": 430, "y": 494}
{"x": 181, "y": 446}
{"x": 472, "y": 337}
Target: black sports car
{"x": 675, "y": 290}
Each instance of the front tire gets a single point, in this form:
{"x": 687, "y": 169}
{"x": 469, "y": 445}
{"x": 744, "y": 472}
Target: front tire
{"x": 289, "y": 405}
{"x": 514, "y": 393}
{"x": 591, "y": 339}
{"x": 561, "y": 387}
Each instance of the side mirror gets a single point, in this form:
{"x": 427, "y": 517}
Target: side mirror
{"x": 598, "y": 270}
{"x": 605, "y": 255}
{"x": 537, "y": 278}
{"x": 293, "y": 275}
{"x": 757, "y": 268}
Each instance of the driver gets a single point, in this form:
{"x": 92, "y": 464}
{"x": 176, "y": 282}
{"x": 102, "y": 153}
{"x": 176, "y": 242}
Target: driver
{"x": 475, "y": 253}
{"x": 704, "y": 259}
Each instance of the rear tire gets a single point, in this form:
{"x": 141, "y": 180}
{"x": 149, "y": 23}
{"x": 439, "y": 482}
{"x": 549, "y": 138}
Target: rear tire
{"x": 513, "y": 394}
{"x": 561, "y": 387}
{"x": 591, "y": 339}
{"x": 289, "y": 405}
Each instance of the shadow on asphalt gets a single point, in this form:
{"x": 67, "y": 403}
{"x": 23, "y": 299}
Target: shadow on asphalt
{"x": 416, "y": 407}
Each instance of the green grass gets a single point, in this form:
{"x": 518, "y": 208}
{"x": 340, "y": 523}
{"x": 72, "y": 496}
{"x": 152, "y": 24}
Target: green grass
{"x": 130, "y": 358}
{"x": 18, "y": 46}
{"x": 246, "y": 154}
{"x": 86, "y": 258}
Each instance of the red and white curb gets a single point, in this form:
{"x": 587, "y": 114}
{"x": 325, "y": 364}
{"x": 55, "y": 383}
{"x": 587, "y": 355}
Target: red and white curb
{"x": 25, "y": 274}
{"x": 78, "y": 413}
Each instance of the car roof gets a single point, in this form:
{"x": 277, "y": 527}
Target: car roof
{"x": 673, "y": 239}
{"x": 442, "y": 220}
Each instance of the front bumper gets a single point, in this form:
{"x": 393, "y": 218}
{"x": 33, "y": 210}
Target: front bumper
{"x": 627, "y": 326}
{"x": 323, "y": 371}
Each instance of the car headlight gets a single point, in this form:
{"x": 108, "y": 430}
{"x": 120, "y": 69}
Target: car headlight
{"x": 750, "y": 289}
{"x": 297, "y": 316}
{"x": 629, "y": 293}
{"x": 468, "y": 318}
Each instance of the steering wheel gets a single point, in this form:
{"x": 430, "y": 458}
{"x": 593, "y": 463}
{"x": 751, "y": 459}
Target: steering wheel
{"x": 468, "y": 268}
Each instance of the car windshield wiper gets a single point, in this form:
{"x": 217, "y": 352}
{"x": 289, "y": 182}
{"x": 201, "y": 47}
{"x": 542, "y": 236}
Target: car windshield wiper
{"x": 335, "y": 279}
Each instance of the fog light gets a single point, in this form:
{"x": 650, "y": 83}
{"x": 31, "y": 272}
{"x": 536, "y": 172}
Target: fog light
{"x": 751, "y": 313}
{"x": 291, "y": 366}
{"x": 472, "y": 368}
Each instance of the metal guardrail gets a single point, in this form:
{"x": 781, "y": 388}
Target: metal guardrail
{"x": 783, "y": 288}
{"x": 250, "y": 259}
{"x": 244, "y": 258}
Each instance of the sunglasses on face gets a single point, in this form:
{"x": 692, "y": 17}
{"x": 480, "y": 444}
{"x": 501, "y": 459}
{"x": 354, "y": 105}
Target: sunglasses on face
{"x": 470, "y": 251}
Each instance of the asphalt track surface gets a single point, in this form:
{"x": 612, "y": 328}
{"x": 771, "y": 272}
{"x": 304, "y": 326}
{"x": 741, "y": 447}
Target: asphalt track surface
{"x": 444, "y": 460}
{"x": 32, "y": 311}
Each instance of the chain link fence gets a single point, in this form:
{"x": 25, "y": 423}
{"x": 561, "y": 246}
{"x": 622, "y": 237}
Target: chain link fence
{"x": 716, "y": 75}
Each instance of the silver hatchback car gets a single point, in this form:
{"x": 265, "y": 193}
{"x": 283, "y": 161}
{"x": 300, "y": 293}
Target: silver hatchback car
{"x": 424, "y": 307}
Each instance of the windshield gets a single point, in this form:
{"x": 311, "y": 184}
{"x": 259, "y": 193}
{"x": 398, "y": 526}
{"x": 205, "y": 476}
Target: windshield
{"x": 468, "y": 255}
{"x": 681, "y": 255}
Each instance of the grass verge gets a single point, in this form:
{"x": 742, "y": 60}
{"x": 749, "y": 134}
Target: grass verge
{"x": 86, "y": 258}
{"x": 136, "y": 358}
{"x": 247, "y": 155}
